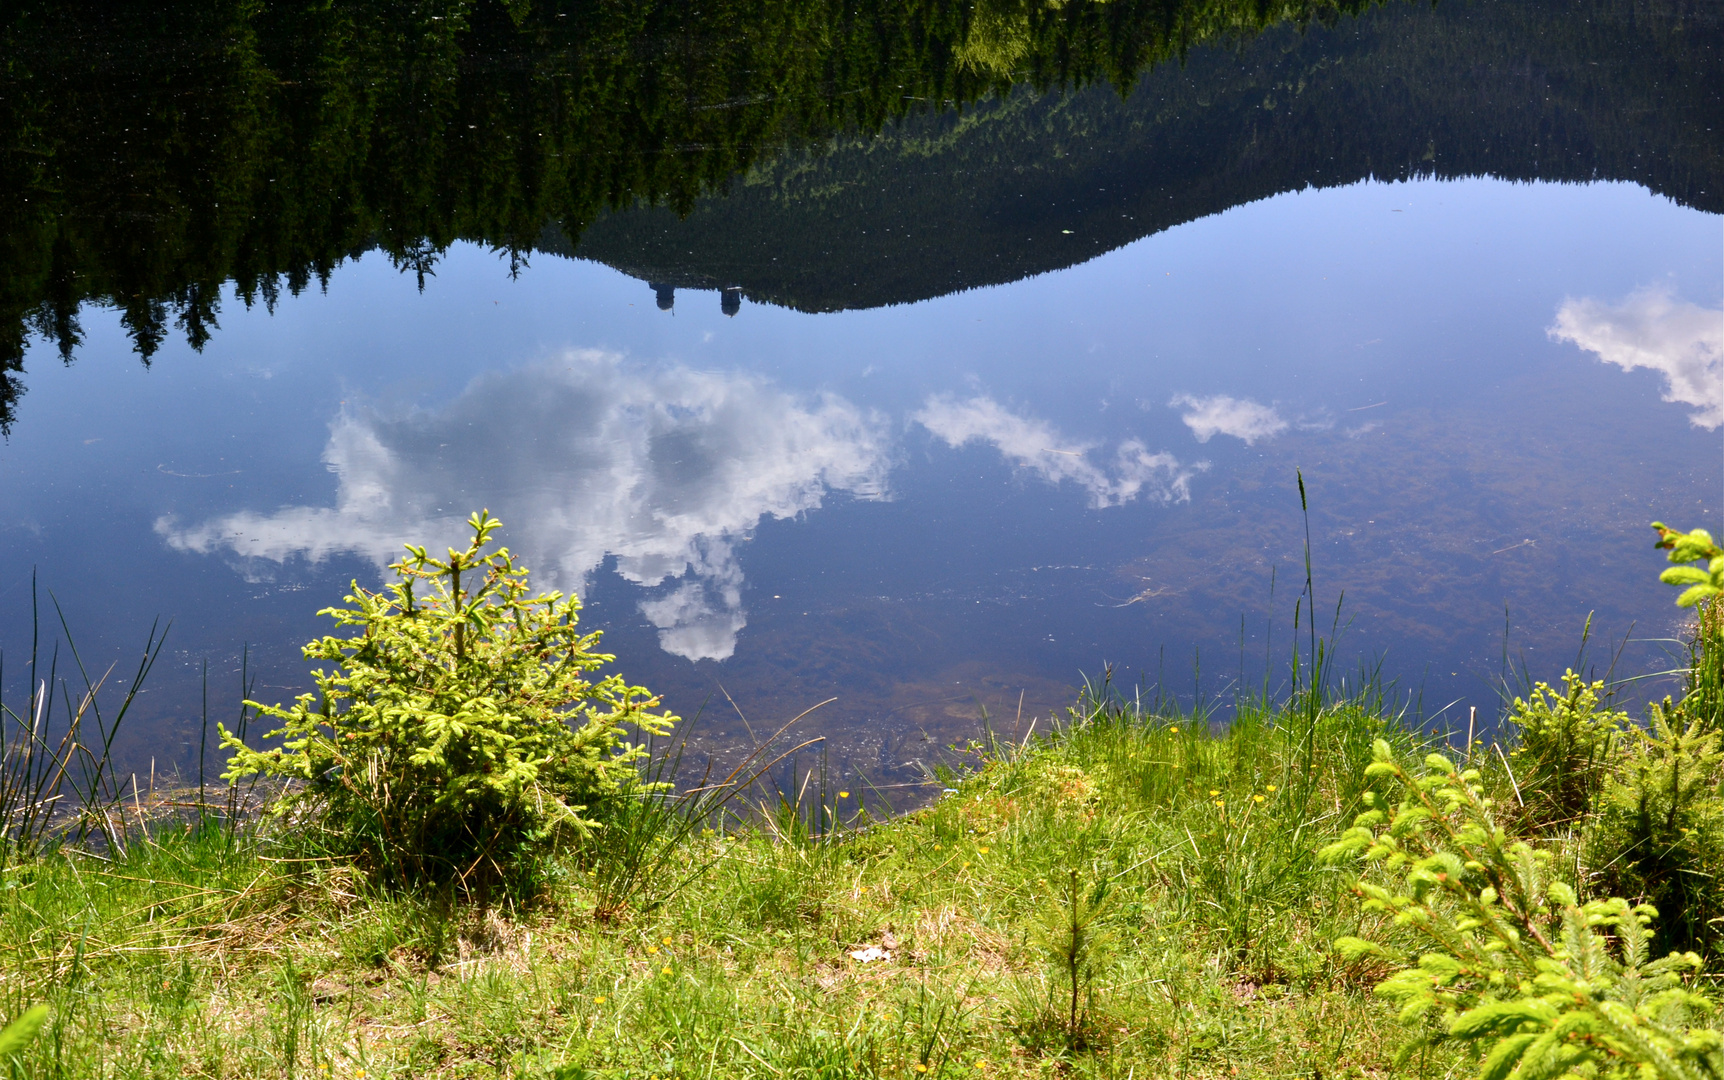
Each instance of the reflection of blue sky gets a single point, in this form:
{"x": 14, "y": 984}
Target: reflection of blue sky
{"x": 608, "y": 433}
{"x": 1653, "y": 329}
{"x": 583, "y": 458}
{"x": 1222, "y": 414}
{"x": 1034, "y": 445}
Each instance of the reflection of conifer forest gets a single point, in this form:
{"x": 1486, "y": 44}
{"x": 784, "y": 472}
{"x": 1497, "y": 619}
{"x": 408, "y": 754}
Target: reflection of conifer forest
{"x": 150, "y": 154}
{"x": 1523, "y": 90}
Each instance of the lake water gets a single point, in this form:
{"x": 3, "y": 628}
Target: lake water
{"x": 929, "y": 418}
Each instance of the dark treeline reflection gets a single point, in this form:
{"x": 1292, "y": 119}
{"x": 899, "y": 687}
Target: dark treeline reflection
{"x": 1026, "y": 182}
{"x": 152, "y": 152}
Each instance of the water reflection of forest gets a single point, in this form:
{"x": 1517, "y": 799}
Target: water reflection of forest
{"x": 1033, "y": 182}
{"x": 151, "y": 155}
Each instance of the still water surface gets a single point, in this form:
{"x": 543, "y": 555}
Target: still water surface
{"x": 927, "y": 500}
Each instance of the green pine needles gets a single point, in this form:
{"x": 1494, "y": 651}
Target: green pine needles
{"x": 1690, "y": 547}
{"x": 1511, "y": 960}
{"x": 1072, "y": 938}
{"x": 459, "y": 735}
{"x": 1564, "y": 746}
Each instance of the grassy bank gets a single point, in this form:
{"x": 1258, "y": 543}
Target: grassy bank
{"x": 1128, "y": 893}
{"x": 1208, "y": 955}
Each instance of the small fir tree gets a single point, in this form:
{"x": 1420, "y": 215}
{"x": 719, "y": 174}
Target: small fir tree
{"x": 459, "y": 735}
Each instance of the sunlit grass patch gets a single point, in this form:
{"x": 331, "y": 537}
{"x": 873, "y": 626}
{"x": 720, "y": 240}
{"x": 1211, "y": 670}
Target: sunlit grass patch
{"x": 1209, "y": 956}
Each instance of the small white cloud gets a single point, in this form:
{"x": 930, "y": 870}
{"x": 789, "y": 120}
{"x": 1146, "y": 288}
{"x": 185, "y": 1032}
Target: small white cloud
{"x": 665, "y": 470}
{"x": 1241, "y": 418}
{"x": 1039, "y": 447}
{"x": 1652, "y": 329}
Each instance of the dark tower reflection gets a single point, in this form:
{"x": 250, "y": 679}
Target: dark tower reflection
{"x": 730, "y": 301}
{"x": 665, "y": 294}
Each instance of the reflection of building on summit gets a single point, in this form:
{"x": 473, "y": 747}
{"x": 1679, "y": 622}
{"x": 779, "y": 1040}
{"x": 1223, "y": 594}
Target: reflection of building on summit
{"x": 585, "y": 459}
{"x": 729, "y": 299}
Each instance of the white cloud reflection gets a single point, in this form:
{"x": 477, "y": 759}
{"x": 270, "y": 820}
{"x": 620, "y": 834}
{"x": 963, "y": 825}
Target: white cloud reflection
{"x": 1684, "y": 342}
{"x": 667, "y": 470}
{"x": 1039, "y": 447}
{"x": 1241, "y": 418}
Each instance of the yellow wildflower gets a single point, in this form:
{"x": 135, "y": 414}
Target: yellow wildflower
{"x": 843, "y": 794}
{"x": 1256, "y": 798}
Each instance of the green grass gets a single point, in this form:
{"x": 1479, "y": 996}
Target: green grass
{"x": 198, "y": 955}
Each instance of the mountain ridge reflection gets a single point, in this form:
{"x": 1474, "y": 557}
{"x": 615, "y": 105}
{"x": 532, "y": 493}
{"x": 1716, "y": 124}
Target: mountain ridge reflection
{"x": 589, "y": 459}
{"x": 820, "y": 157}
